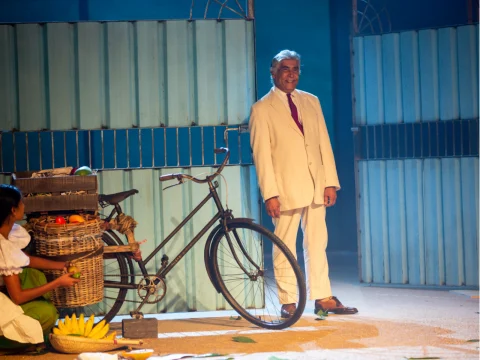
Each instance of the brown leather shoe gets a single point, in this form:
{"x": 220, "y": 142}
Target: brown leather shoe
{"x": 333, "y": 305}
{"x": 288, "y": 310}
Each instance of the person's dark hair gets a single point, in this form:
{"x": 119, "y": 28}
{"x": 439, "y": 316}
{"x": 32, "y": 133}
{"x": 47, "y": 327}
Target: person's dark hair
{"x": 10, "y": 197}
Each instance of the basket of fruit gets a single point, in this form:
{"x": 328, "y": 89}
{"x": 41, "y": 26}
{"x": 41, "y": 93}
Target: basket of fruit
{"x": 78, "y": 240}
{"x": 76, "y": 335}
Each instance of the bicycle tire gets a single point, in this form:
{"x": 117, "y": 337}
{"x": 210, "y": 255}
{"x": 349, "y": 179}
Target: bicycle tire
{"x": 114, "y": 263}
{"x": 245, "y": 303}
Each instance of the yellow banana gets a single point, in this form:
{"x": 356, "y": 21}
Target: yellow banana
{"x": 97, "y": 329}
{"x": 62, "y": 327}
{"x": 57, "y": 331}
{"x": 102, "y": 332}
{"x": 89, "y": 325}
{"x": 68, "y": 325}
{"x": 74, "y": 323}
{"x": 81, "y": 325}
{"x": 111, "y": 336}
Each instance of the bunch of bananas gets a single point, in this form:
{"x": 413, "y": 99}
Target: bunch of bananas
{"x": 79, "y": 327}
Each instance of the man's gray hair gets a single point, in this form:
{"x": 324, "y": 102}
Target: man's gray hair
{"x": 284, "y": 55}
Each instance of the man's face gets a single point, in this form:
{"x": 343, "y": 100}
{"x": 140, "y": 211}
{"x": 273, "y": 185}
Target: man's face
{"x": 286, "y": 77}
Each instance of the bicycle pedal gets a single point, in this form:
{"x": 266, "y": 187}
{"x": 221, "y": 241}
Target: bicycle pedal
{"x": 136, "y": 315}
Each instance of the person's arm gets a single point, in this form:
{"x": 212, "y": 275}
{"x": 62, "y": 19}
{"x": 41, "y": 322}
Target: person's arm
{"x": 20, "y": 296}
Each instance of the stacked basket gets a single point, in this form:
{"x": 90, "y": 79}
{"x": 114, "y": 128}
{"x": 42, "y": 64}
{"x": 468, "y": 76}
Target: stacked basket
{"x": 79, "y": 243}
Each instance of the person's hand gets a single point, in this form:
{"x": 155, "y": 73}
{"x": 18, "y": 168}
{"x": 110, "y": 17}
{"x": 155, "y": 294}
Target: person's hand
{"x": 330, "y": 196}
{"x": 273, "y": 207}
{"x": 66, "y": 280}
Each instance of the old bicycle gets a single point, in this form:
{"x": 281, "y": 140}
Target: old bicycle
{"x": 233, "y": 254}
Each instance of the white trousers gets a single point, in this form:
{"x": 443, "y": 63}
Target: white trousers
{"x": 315, "y": 238}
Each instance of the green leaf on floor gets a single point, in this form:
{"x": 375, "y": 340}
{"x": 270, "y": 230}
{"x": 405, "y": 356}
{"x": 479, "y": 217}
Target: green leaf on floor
{"x": 321, "y": 314}
{"x": 235, "y": 318}
{"x": 320, "y": 318}
{"x": 243, "y": 339}
{"x": 473, "y": 340}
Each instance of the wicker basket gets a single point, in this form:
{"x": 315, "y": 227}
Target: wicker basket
{"x": 82, "y": 245}
{"x": 76, "y": 345}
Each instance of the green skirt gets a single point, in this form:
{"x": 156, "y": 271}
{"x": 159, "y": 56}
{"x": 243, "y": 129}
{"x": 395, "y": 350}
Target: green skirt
{"x": 40, "y": 309}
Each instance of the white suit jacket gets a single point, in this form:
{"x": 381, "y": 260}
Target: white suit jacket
{"x": 294, "y": 167}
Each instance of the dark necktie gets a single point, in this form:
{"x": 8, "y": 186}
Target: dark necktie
{"x": 293, "y": 110}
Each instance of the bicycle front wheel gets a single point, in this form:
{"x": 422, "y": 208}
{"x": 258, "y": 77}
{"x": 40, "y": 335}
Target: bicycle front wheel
{"x": 255, "y": 284}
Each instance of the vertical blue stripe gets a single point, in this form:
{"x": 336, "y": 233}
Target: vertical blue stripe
{"x": 133, "y": 148}
{"x": 233, "y": 144}
{"x": 96, "y": 149}
{"x": 246, "y": 150}
{"x": 424, "y": 139}
{"x": 171, "y": 146}
{"x": 7, "y": 155}
{"x": 393, "y": 134}
{"x": 121, "y": 149}
{"x": 374, "y": 80}
{"x": 219, "y": 142}
{"x": 208, "y": 145}
{"x": 417, "y": 136}
{"x": 147, "y": 147}
{"x": 474, "y": 137}
{"x": 83, "y": 148}
{"x": 410, "y": 78}
{"x": 21, "y": 151}
{"x": 71, "y": 148}
{"x": 184, "y": 146}
{"x": 444, "y": 134}
{"x": 407, "y": 140}
{"x": 58, "y": 149}
{"x": 33, "y": 151}
{"x": 391, "y": 79}
{"x": 456, "y": 138}
{"x": 371, "y": 151}
{"x": 468, "y": 71}
{"x": 429, "y": 74}
{"x": 197, "y": 150}
{"x": 109, "y": 149}
{"x": 159, "y": 147}
{"x": 448, "y": 77}
{"x": 46, "y": 150}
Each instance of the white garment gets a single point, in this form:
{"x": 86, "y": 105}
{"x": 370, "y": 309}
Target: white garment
{"x": 12, "y": 258}
{"x": 14, "y": 325}
{"x": 315, "y": 239}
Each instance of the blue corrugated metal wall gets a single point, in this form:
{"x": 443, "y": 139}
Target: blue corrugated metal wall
{"x": 134, "y": 89}
{"x": 416, "y": 104}
{"x": 91, "y": 75}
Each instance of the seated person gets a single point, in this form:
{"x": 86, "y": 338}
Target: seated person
{"x": 27, "y": 315}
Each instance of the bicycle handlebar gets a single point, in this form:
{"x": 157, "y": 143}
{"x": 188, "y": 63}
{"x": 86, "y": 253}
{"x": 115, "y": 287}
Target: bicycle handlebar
{"x": 180, "y": 176}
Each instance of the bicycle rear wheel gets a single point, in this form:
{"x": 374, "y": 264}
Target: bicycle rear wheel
{"x": 248, "y": 280}
{"x": 117, "y": 267}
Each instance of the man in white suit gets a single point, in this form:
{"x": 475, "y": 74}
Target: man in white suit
{"x": 297, "y": 177}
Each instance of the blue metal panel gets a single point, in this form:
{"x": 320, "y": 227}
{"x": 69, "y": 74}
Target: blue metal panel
{"x": 396, "y": 214}
{"x": 391, "y": 78}
{"x": 427, "y": 211}
{"x": 410, "y": 81}
{"x": 448, "y": 77}
{"x": 414, "y": 76}
{"x": 8, "y": 80}
{"x": 93, "y": 75}
{"x": 414, "y": 221}
{"x": 469, "y": 209}
{"x": 428, "y": 44}
{"x": 360, "y": 117}
{"x": 467, "y": 39}
{"x": 374, "y": 82}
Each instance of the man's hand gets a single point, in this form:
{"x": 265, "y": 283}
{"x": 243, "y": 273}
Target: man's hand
{"x": 273, "y": 207}
{"x": 330, "y": 196}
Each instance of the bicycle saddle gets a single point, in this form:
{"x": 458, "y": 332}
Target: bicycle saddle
{"x": 114, "y": 199}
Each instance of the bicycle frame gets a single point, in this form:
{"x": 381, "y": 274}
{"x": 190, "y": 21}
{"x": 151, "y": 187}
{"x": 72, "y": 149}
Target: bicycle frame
{"x": 163, "y": 271}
